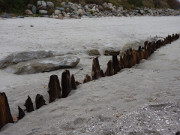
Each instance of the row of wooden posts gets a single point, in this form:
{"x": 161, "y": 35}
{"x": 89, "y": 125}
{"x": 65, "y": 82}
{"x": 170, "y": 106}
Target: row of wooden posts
{"x": 130, "y": 58}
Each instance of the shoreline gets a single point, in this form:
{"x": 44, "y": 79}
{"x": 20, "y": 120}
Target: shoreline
{"x": 153, "y": 81}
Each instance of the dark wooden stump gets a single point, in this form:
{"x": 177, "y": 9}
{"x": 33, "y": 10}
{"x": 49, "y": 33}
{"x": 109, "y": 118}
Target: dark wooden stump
{"x": 135, "y": 58}
{"x": 153, "y": 46}
{"x": 54, "y": 88}
{"x": 115, "y": 64}
{"x": 102, "y": 73}
{"x": 5, "y": 113}
{"x": 110, "y": 70}
{"x": 66, "y": 83}
{"x": 78, "y": 83}
{"x": 39, "y": 101}
{"x": 121, "y": 63}
{"x": 29, "y": 105}
{"x": 141, "y": 53}
{"x": 146, "y": 54}
{"x": 96, "y": 69}
{"x": 149, "y": 49}
{"x": 125, "y": 57}
{"x": 159, "y": 43}
{"x": 177, "y": 36}
{"x": 177, "y": 133}
{"x": 73, "y": 82}
{"x": 87, "y": 79}
{"x": 21, "y": 113}
{"x": 128, "y": 58}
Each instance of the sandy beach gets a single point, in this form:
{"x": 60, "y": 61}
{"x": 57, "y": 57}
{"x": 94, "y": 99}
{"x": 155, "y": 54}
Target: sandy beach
{"x": 98, "y": 106}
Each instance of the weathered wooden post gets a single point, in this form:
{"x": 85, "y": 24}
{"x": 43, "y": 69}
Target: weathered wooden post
{"x": 21, "y": 113}
{"x": 5, "y": 113}
{"x": 54, "y": 88}
{"x": 135, "y": 58}
{"x": 66, "y": 83}
{"x": 102, "y": 73}
{"x": 39, "y": 101}
{"x": 73, "y": 82}
{"x": 29, "y": 105}
{"x": 110, "y": 70}
{"x": 121, "y": 62}
{"x": 146, "y": 50}
{"x": 115, "y": 64}
{"x": 87, "y": 79}
{"x": 96, "y": 69}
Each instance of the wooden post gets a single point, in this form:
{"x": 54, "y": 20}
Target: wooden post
{"x": 5, "y": 113}
{"x": 96, "y": 69}
{"x": 73, "y": 82}
{"x": 87, "y": 79}
{"x": 39, "y": 101}
{"x": 66, "y": 83}
{"x": 29, "y": 105}
{"x": 177, "y": 36}
{"x": 102, "y": 73}
{"x": 54, "y": 88}
{"x": 21, "y": 113}
{"x": 110, "y": 70}
{"x": 141, "y": 53}
{"x": 135, "y": 58}
{"x": 115, "y": 64}
{"x": 146, "y": 50}
{"x": 121, "y": 63}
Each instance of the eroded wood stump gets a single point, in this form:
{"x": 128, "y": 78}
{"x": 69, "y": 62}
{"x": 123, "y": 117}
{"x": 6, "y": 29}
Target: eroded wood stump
{"x": 73, "y": 82}
{"x": 159, "y": 43}
{"x": 177, "y": 36}
{"x": 96, "y": 69}
{"x": 115, "y": 64}
{"x": 66, "y": 83}
{"x": 135, "y": 58}
{"x": 5, "y": 113}
{"x": 39, "y": 101}
{"x": 87, "y": 79}
{"x": 121, "y": 63}
{"x": 102, "y": 73}
{"x": 141, "y": 53}
{"x": 54, "y": 88}
{"x": 29, "y": 105}
{"x": 110, "y": 70}
{"x": 78, "y": 83}
{"x": 146, "y": 53}
{"x": 21, "y": 113}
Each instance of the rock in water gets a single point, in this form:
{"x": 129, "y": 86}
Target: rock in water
{"x": 54, "y": 88}
{"x": 93, "y": 52}
{"x": 39, "y": 101}
{"x": 5, "y": 113}
{"x": 66, "y": 83}
{"x": 17, "y": 57}
{"x": 44, "y": 65}
{"x": 21, "y": 113}
{"x": 29, "y": 105}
